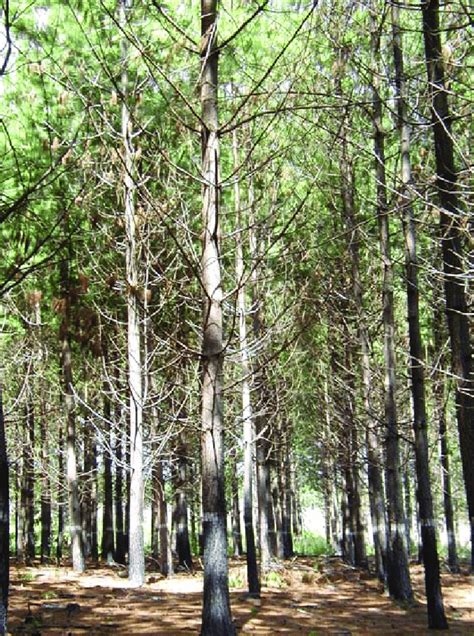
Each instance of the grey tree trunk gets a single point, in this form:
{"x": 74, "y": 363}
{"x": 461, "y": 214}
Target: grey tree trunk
{"x": 436, "y": 615}
{"x": 136, "y": 547}
{"x": 216, "y": 616}
{"x": 398, "y": 574}
{"x": 266, "y": 522}
{"x": 452, "y": 250}
{"x": 60, "y": 532}
{"x": 75, "y": 522}
{"x": 374, "y": 460}
{"x": 166, "y": 561}
{"x": 120, "y": 539}
{"x": 4, "y": 523}
{"x": 107, "y": 546}
{"x": 236, "y": 529}
{"x": 183, "y": 546}
{"x": 247, "y": 416}
{"x": 440, "y": 391}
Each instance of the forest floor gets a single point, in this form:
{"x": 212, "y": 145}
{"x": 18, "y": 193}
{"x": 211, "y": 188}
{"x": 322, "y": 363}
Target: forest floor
{"x": 312, "y": 595}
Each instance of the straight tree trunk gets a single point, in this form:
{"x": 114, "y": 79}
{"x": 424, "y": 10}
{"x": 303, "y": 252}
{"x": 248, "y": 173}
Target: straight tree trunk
{"x": 166, "y": 561}
{"x": 75, "y": 523}
{"x": 120, "y": 538}
{"x": 236, "y": 529}
{"x": 45, "y": 489}
{"x": 451, "y": 245}
{"x": 183, "y": 547}
{"x": 436, "y": 615}
{"x": 440, "y": 395}
{"x": 216, "y": 615}
{"x": 29, "y": 468}
{"x": 398, "y": 574}
{"x": 374, "y": 463}
{"x": 247, "y": 415}
{"x": 107, "y": 545}
{"x": 136, "y": 548}
{"x": 266, "y": 521}
{"x": 155, "y": 509}
{"x": 4, "y": 524}
{"x": 60, "y": 510}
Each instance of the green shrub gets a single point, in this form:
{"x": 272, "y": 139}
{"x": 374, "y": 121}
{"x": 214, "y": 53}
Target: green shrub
{"x": 311, "y": 544}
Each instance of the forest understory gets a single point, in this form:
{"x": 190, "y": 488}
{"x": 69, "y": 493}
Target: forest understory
{"x": 305, "y": 595}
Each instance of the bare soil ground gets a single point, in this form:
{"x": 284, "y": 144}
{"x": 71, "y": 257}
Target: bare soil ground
{"x": 310, "y": 596}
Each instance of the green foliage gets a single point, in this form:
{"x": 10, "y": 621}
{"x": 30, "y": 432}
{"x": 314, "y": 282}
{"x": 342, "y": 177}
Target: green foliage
{"x": 311, "y": 544}
{"x": 274, "y": 579}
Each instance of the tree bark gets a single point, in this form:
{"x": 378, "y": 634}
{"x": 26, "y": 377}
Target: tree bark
{"x": 4, "y": 523}
{"x": 452, "y": 250}
{"x": 107, "y": 546}
{"x": 436, "y": 616}
{"x": 216, "y": 616}
{"x": 183, "y": 547}
{"x": 399, "y": 583}
{"x": 266, "y": 521}
{"x": 247, "y": 415}
{"x": 136, "y": 548}
{"x": 374, "y": 463}
{"x": 440, "y": 391}
{"x": 75, "y": 523}
{"x": 236, "y": 529}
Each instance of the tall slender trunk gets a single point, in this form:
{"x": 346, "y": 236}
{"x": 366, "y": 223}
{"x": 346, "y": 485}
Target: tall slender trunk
{"x": 136, "y": 548}
{"x": 60, "y": 509}
{"x": 75, "y": 523}
{"x": 120, "y": 538}
{"x": 166, "y": 561}
{"x": 374, "y": 463}
{"x": 236, "y": 530}
{"x": 45, "y": 488}
{"x": 247, "y": 415}
{"x": 29, "y": 477}
{"x": 452, "y": 250}
{"x": 440, "y": 391}
{"x": 216, "y": 616}
{"x": 285, "y": 494}
{"x": 107, "y": 546}
{"x": 399, "y": 583}
{"x": 266, "y": 522}
{"x": 436, "y": 616}
{"x": 4, "y": 523}
{"x": 94, "y": 502}
{"x": 183, "y": 547}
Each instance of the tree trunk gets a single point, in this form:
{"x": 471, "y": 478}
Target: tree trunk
{"x": 266, "y": 522}
{"x": 183, "y": 547}
{"x": 374, "y": 463}
{"x": 45, "y": 489}
{"x": 216, "y": 616}
{"x": 441, "y": 395}
{"x": 4, "y": 524}
{"x": 136, "y": 548}
{"x": 60, "y": 533}
{"x": 247, "y": 415}
{"x": 75, "y": 523}
{"x": 399, "y": 583}
{"x": 120, "y": 538}
{"x": 436, "y": 616}
{"x": 236, "y": 529}
{"x": 166, "y": 561}
{"x": 29, "y": 468}
{"x": 107, "y": 546}
{"x": 451, "y": 244}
